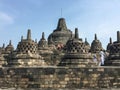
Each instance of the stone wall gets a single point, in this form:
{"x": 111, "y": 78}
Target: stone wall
{"x": 60, "y": 77}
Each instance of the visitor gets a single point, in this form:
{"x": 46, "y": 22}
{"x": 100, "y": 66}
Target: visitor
{"x": 95, "y": 58}
{"x": 102, "y": 58}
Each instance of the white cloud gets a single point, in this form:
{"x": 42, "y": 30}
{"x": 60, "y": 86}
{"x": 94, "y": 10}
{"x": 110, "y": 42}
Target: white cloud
{"x": 5, "y": 18}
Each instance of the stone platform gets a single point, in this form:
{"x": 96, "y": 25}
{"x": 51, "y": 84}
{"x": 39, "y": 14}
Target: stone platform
{"x": 60, "y": 78}
{"x": 57, "y": 89}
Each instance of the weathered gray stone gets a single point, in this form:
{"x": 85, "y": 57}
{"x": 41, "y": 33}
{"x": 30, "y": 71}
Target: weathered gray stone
{"x": 114, "y": 52}
{"x": 57, "y": 65}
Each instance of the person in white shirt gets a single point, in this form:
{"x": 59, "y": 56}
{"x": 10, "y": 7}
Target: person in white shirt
{"x": 102, "y": 58}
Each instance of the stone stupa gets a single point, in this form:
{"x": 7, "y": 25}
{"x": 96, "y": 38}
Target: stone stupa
{"x": 61, "y": 34}
{"x": 77, "y": 55}
{"x": 26, "y": 53}
{"x": 114, "y": 53}
{"x": 96, "y": 46}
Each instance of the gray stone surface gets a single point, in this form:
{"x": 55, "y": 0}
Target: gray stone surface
{"x": 77, "y": 53}
{"x": 114, "y": 52}
{"x": 60, "y": 77}
{"x": 61, "y": 34}
{"x": 96, "y": 45}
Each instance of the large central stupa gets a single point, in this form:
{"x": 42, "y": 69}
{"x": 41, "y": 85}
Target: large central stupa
{"x": 61, "y": 34}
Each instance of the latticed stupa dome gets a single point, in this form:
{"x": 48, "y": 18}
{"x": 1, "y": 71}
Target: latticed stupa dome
{"x": 75, "y": 45}
{"x": 61, "y": 34}
{"x": 77, "y": 54}
{"x": 86, "y": 42}
{"x": 43, "y": 46}
{"x": 114, "y": 52}
{"x": 9, "y": 47}
{"x": 115, "y": 47}
{"x": 42, "y": 43}
{"x": 96, "y": 45}
{"x": 26, "y": 53}
{"x": 2, "y": 49}
{"x": 27, "y": 45}
{"x": 87, "y": 45}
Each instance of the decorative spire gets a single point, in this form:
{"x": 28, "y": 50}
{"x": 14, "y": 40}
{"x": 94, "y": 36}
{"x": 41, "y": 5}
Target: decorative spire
{"x": 76, "y": 33}
{"x": 35, "y": 40}
{"x": 10, "y": 42}
{"x": 29, "y": 34}
{"x": 110, "y": 40}
{"x": 3, "y": 45}
{"x": 43, "y": 35}
{"x": 85, "y": 39}
{"x": 95, "y": 36}
{"x": 21, "y": 38}
{"x": 86, "y": 42}
{"x": 61, "y": 24}
{"x": 118, "y": 36}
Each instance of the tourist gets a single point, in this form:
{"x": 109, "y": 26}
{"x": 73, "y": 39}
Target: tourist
{"x": 102, "y": 58}
{"x": 95, "y": 58}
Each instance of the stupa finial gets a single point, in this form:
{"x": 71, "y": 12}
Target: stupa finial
{"x": 95, "y": 36}
{"x": 61, "y": 24}
{"x": 10, "y": 42}
{"x": 118, "y": 36}
{"x": 3, "y": 45}
{"x": 110, "y": 40}
{"x": 21, "y": 38}
{"x": 29, "y": 34}
{"x": 76, "y": 33}
{"x": 35, "y": 40}
{"x": 85, "y": 39}
{"x": 43, "y": 35}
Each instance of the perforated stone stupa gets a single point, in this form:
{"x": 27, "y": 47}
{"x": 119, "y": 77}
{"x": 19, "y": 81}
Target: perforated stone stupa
{"x": 114, "y": 52}
{"x": 43, "y": 47}
{"x": 87, "y": 45}
{"x": 96, "y": 46}
{"x": 9, "y": 48}
{"x": 26, "y": 53}
{"x": 77, "y": 53}
{"x": 42, "y": 43}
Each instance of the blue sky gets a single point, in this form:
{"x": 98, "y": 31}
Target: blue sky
{"x": 89, "y": 16}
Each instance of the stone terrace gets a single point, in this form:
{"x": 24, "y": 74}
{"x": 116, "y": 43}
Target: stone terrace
{"x": 54, "y": 78}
